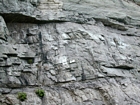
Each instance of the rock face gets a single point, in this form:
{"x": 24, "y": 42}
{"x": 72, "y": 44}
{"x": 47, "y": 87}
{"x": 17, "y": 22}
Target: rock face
{"x": 80, "y": 52}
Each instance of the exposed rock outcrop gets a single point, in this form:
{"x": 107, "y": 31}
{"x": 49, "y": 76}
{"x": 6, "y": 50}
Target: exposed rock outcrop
{"x": 82, "y": 52}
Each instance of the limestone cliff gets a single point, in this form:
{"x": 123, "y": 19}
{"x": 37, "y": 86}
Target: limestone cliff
{"x": 80, "y": 52}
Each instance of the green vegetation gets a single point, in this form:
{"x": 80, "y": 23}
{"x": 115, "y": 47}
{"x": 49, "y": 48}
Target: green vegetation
{"x": 40, "y": 93}
{"x": 30, "y": 61}
{"x": 22, "y": 96}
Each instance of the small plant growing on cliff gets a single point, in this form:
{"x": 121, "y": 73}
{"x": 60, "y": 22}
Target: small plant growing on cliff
{"x": 22, "y": 96}
{"x": 40, "y": 93}
{"x": 30, "y": 61}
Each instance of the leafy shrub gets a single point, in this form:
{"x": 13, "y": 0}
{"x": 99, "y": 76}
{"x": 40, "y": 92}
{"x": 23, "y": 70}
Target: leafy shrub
{"x": 40, "y": 93}
{"x": 22, "y": 96}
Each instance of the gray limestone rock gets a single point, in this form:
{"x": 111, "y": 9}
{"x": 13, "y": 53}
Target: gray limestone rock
{"x": 82, "y": 52}
{"x": 4, "y": 33}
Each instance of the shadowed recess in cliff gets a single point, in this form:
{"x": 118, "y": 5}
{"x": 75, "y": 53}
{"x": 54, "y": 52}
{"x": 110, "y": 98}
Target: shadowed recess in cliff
{"x": 20, "y": 18}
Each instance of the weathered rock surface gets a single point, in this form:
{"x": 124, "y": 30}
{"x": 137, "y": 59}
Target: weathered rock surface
{"x": 82, "y": 52}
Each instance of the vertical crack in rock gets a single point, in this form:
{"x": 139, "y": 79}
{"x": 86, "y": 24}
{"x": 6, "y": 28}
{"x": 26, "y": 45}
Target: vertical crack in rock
{"x": 83, "y": 74}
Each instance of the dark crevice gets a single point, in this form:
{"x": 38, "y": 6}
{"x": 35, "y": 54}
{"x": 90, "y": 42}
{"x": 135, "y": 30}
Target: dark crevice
{"x": 124, "y": 67}
{"x": 83, "y": 76}
{"x": 20, "y": 18}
